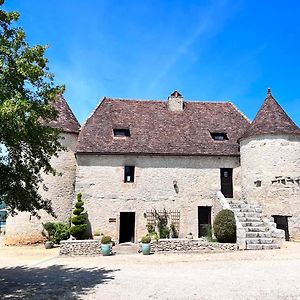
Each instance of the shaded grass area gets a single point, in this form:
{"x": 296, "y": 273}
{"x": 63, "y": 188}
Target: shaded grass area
{"x": 53, "y": 282}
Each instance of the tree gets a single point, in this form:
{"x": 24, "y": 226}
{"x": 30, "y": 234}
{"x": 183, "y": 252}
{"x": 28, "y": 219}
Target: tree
{"x": 26, "y": 142}
{"x": 79, "y": 226}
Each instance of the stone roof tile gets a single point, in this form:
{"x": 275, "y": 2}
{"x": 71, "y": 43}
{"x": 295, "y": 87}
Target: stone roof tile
{"x": 271, "y": 119}
{"x": 66, "y": 121}
{"x": 156, "y": 130}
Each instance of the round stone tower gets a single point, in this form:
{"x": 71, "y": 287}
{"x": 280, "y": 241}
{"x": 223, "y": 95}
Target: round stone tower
{"x": 25, "y": 228}
{"x": 270, "y": 166}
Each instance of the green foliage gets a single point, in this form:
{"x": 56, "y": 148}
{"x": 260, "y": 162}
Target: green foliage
{"x": 78, "y": 211}
{"x": 27, "y": 90}
{"x": 150, "y": 228}
{"x": 225, "y": 227}
{"x": 209, "y": 233}
{"x": 173, "y": 231}
{"x": 78, "y": 231}
{"x": 106, "y": 239}
{"x": 162, "y": 223}
{"x": 146, "y": 239}
{"x": 164, "y": 232}
{"x": 56, "y": 231}
{"x": 79, "y": 219}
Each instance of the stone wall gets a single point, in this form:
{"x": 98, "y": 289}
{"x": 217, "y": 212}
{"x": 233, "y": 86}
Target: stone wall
{"x": 270, "y": 176}
{"x": 194, "y": 245}
{"x": 25, "y": 228}
{"x": 80, "y": 247}
{"x": 101, "y": 181}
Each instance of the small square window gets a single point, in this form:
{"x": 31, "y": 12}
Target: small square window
{"x": 219, "y": 136}
{"x": 121, "y": 132}
{"x": 129, "y": 173}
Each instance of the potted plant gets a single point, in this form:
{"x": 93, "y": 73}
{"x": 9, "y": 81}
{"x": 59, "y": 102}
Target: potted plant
{"x": 106, "y": 245}
{"x": 189, "y": 236}
{"x": 146, "y": 244}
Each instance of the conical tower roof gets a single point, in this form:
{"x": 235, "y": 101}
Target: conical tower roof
{"x": 271, "y": 119}
{"x": 66, "y": 121}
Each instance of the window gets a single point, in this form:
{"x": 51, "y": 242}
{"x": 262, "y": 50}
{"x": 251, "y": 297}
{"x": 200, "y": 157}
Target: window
{"x": 129, "y": 174}
{"x": 121, "y": 132}
{"x": 219, "y": 136}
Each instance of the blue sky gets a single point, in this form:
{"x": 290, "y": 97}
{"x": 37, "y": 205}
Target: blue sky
{"x": 207, "y": 50}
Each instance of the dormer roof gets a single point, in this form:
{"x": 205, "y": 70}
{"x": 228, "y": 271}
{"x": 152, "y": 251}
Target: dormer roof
{"x": 271, "y": 119}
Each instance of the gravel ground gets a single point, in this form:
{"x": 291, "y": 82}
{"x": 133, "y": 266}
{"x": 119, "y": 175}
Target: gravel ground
{"x": 36, "y": 273}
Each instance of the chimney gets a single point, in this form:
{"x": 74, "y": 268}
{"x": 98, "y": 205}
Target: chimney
{"x": 175, "y": 102}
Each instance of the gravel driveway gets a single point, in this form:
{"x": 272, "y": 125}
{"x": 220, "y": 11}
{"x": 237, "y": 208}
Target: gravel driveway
{"x": 33, "y": 273}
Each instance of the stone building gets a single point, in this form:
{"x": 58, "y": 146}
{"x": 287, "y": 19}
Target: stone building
{"x": 187, "y": 158}
{"x": 25, "y": 228}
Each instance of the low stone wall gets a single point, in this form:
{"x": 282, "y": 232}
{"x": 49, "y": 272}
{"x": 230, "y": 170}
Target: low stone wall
{"x": 187, "y": 245}
{"x": 80, "y": 247}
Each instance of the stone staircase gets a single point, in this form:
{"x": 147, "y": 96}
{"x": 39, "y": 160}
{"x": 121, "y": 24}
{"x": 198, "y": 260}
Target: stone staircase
{"x": 258, "y": 231}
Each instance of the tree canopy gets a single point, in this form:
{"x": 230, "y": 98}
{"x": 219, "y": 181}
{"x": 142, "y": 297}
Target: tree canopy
{"x": 26, "y": 142}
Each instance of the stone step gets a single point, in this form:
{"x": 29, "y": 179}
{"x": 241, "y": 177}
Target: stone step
{"x": 262, "y": 246}
{"x": 256, "y": 229}
{"x": 249, "y": 214}
{"x": 258, "y": 235}
{"x": 252, "y": 224}
{"x": 247, "y": 219}
{"x": 259, "y": 241}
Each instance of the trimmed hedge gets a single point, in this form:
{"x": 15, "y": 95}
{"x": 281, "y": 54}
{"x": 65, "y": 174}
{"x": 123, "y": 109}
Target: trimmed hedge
{"x": 79, "y": 226}
{"x": 225, "y": 227}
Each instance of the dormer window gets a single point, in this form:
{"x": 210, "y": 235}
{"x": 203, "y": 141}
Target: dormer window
{"x": 219, "y": 136}
{"x": 121, "y": 132}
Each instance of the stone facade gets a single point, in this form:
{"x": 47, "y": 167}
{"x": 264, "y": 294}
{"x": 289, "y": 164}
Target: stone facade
{"x": 271, "y": 176}
{"x": 177, "y": 167}
{"x": 100, "y": 178}
{"x": 25, "y": 228}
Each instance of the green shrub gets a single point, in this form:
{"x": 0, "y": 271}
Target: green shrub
{"x": 146, "y": 239}
{"x": 150, "y": 228}
{"x": 79, "y": 226}
{"x": 164, "y": 232}
{"x": 106, "y": 239}
{"x": 78, "y": 211}
{"x": 225, "y": 227}
{"x": 174, "y": 233}
{"x": 56, "y": 231}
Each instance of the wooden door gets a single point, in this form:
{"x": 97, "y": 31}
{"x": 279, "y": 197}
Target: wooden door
{"x": 226, "y": 183}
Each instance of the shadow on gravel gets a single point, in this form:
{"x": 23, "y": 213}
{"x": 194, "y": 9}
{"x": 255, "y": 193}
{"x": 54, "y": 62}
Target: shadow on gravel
{"x": 54, "y": 282}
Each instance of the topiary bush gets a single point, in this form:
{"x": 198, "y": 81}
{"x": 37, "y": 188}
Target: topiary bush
{"x": 225, "y": 227}
{"x": 79, "y": 226}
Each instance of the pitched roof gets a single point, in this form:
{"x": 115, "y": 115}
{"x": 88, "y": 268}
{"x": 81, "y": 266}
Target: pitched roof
{"x": 66, "y": 121}
{"x": 271, "y": 119}
{"x": 156, "y": 130}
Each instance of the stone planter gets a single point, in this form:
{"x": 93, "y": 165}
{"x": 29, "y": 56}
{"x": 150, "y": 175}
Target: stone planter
{"x": 49, "y": 245}
{"x": 106, "y": 249}
{"x": 146, "y": 249}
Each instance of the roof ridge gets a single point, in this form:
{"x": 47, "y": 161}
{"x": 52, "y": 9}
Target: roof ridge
{"x": 239, "y": 111}
{"x": 165, "y": 100}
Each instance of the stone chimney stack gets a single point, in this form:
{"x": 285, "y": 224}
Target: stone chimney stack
{"x": 175, "y": 102}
